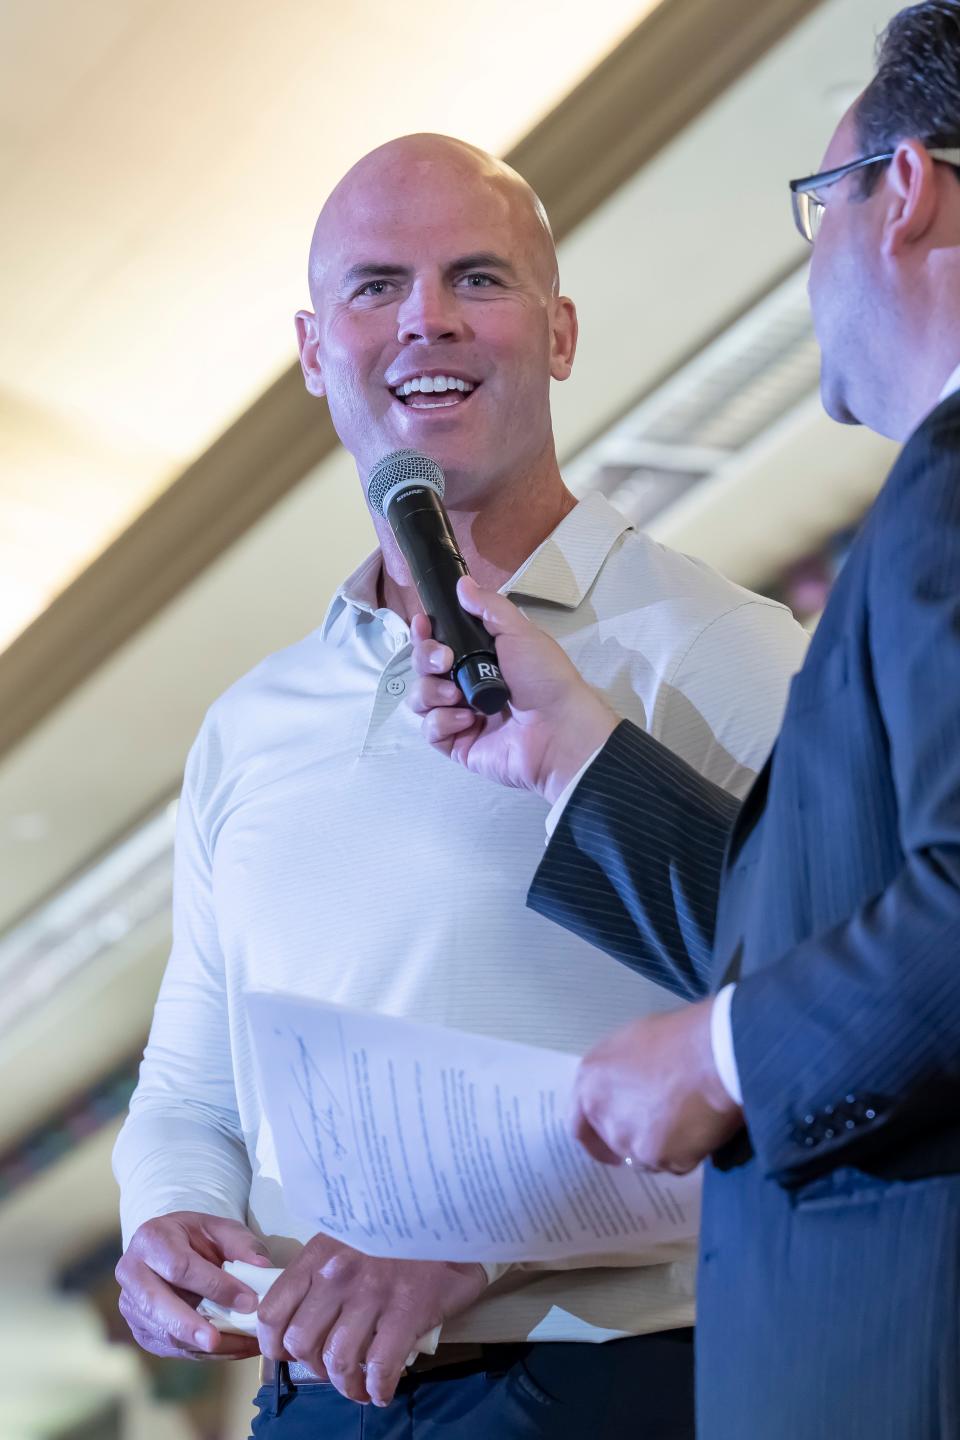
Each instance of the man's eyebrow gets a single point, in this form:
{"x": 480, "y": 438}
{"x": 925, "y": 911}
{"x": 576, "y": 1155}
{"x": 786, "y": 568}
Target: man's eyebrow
{"x": 373, "y": 270}
{"x": 483, "y": 260}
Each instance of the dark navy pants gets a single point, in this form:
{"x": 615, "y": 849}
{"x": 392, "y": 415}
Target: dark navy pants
{"x": 641, "y": 1388}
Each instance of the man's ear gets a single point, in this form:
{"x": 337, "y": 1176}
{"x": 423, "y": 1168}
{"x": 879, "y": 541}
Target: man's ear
{"x": 306, "y": 323}
{"x": 564, "y": 330}
{"x": 913, "y": 197}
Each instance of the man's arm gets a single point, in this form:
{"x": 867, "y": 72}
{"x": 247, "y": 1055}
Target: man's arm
{"x": 663, "y": 827}
{"x": 634, "y": 864}
{"x": 181, "y": 1146}
{"x": 180, "y": 1160}
{"x": 871, "y": 1009}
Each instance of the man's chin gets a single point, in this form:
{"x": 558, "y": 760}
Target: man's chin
{"x": 835, "y": 403}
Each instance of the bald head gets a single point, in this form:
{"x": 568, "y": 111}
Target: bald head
{"x": 437, "y": 317}
{"x": 405, "y": 178}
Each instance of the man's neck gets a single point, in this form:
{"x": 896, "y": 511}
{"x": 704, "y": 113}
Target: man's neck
{"x": 495, "y": 540}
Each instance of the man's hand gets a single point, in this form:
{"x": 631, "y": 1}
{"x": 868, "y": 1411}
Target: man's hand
{"x": 356, "y": 1319}
{"x": 651, "y": 1091}
{"x": 555, "y": 720}
{"x": 170, "y": 1265}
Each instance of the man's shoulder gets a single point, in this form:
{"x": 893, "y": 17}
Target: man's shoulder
{"x": 937, "y": 437}
{"x": 710, "y": 659}
{"x": 920, "y": 495}
{"x": 685, "y": 592}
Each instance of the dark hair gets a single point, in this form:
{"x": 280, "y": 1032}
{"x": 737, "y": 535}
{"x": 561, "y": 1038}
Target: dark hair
{"x": 916, "y": 88}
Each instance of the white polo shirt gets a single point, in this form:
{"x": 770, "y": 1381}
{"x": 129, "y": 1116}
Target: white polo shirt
{"x": 324, "y": 849}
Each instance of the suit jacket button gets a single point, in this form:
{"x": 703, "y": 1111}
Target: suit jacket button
{"x": 870, "y": 1113}
{"x": 829, "y": 1133}
{"x": 850, "y": 1099}
{"x": 809, "y": 1139}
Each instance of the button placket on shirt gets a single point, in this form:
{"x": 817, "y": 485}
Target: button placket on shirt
{"x": 391, "y": 687}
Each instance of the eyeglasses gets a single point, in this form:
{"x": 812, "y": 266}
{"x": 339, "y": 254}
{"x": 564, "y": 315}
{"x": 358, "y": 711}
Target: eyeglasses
{"x": 808, "y": 207}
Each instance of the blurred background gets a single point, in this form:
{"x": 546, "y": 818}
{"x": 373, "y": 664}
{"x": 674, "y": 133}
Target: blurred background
{"x": 173, "y": 506}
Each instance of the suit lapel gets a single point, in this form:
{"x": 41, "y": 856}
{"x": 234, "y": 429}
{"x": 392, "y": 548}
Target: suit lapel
{"x": 750, "y": 811}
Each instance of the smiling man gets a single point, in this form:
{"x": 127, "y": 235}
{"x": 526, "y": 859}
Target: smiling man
{"x": 313, "y": 820}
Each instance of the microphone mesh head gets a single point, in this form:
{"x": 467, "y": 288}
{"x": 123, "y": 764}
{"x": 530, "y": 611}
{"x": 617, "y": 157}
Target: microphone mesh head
{"x": 402, "y": 467}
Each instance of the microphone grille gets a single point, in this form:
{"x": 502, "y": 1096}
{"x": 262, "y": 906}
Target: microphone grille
{"x": 402, "y": 467}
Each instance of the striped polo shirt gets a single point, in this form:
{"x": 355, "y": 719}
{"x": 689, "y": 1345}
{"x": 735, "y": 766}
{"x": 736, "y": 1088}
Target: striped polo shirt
{"x": 324, "y": 849}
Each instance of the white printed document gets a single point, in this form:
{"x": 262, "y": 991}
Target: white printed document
{"x": 420, "y": 1143}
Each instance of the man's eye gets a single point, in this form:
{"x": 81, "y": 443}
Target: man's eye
{"x": 477, "y": 281}
{"x": 374, "y": 287}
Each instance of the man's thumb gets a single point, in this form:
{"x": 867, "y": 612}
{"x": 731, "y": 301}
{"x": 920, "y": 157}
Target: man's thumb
{"x": 499, "y": 616}
{"x": 239, "y": 1243}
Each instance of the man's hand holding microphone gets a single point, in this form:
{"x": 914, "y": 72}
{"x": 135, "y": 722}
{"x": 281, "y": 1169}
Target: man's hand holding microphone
{"x": 650, "y": 1094}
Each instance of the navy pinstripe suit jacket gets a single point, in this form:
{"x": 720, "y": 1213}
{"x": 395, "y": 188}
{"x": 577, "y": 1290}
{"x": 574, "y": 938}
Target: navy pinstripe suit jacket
{"x": 829, "y": 1300}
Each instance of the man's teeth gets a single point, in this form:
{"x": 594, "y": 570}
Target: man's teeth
{"x": 433, "y": 385}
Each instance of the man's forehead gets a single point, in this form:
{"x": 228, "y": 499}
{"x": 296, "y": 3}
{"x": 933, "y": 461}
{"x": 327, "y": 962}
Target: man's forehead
{"x": 415, "y": 215}
{"x": 426, "y": 195}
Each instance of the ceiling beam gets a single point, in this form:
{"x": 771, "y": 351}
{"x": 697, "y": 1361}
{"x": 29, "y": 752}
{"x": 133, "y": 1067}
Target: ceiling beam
{"x": 678, "y": 60}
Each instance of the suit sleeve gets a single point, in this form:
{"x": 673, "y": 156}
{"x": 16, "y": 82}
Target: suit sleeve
{"x": 634, "y": 864}
{"x": 853, "y": 1038}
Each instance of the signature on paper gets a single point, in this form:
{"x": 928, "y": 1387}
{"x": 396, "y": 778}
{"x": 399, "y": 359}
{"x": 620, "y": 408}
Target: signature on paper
{"x": 322, "y": 1140}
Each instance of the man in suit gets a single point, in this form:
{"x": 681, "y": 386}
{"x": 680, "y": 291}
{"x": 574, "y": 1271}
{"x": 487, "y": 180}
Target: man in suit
{"x": 821, "y": 917}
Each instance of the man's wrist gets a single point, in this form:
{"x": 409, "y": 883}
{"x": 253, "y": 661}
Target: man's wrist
{"x": 584, "y": 731}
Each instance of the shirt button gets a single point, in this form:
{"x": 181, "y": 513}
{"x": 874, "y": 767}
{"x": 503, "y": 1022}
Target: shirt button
{"x": 396, "y": 686}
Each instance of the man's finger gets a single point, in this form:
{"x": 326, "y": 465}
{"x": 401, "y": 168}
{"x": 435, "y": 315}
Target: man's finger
{"x": 432, "y": 693}
{"x": 189, "y": 1271}
{"x": 153, "y": 1304}
{"x": 307, "y": 1331}
{"x": 386, "y": 1359}
{"x": 234, "y": 1347}
{"x": 584, "y": 1132}
{"x": 439, "y": 726}
{"x": 277, "y": 1309}
{"x": 429, "y": 657}
{"x": 235, "y": 1242}
{"x": 345, "y": 1352}
{"x": 499, "y": 615}
{"x": 157, "y": 1342}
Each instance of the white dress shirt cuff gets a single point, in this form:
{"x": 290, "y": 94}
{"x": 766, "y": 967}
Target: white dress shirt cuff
{"x": 563, "y": 799}
{"x": 721, "y": 1039}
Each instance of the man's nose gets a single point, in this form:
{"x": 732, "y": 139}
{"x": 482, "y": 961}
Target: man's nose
{"x": 429, "y": 313}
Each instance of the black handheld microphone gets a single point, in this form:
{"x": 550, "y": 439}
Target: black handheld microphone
{"x": 407, "y": 489}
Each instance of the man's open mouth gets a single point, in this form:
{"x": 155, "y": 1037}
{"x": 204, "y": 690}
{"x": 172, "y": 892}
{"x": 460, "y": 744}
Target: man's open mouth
{"x": 433, "y": 392}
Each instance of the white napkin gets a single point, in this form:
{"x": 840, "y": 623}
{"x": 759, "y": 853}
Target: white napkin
{"x": 259, "y": 1278}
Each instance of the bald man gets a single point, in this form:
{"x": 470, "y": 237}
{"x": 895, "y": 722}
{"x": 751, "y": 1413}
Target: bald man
{"x": 312, "y": 814}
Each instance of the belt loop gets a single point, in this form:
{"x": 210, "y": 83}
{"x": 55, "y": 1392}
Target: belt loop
{"x": 281, "y": 1385}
